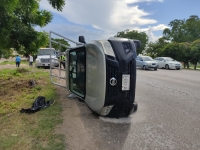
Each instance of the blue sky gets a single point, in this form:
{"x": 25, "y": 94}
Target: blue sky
{"x": 101, "y": 19}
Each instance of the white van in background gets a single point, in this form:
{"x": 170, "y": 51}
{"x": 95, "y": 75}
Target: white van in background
{"x": 43, "y": 58}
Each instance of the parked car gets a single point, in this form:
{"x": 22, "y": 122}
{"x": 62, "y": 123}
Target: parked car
{"x": 146, "y": 62}
{"x": 168, "y": 63}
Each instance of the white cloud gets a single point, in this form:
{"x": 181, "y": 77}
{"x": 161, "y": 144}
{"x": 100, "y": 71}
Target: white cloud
{"x": 140, "y": 1}
{"x": 96, "y": 27}
{"x": 159, "y": 27}
{"x": 107, "y": 17}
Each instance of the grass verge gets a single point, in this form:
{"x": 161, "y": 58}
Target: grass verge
{"x": 28, "y": 131}
{"x": 13, "y": 62}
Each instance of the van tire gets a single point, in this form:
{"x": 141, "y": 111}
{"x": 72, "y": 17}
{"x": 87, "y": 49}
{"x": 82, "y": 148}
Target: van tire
{"x": 135, "y": 107}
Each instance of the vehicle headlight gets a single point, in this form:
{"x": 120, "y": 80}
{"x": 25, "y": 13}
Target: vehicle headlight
{"x": 106, "y": 110}
{"x": 171, "y": 63}
{"x": 37, "y": 60}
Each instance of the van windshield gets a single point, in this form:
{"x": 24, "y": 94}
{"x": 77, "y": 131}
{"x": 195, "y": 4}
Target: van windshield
{"x": 46, "y": 51}
{"x": 77, "y": 72}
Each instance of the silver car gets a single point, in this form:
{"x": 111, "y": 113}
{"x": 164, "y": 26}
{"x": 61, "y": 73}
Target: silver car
{"x": 146, "y": 62}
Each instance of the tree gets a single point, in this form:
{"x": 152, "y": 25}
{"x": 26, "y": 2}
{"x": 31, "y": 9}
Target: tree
{"x": 42, "y": 40}
{"x": 57, "y": 4}
{"x": 155, "y": 49}
{"x": 6, "y": 53}
{"x": 185, "y": 53}
{"x": 135, "y": 35}
{"x": 186, "y": 33}
{"x": 195, "y": 52}
{"x": 183, "y": 30}
{"x": 192, "y": 27}
{"x": 17, "y": 21}
{"x": 176, "y": 34}
{"x": 171, "y": 50}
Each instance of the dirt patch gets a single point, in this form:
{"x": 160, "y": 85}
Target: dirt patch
{"x": 76, "y": 136}
{"x": 15, "y": 83}
{"x": 13, "y": 86}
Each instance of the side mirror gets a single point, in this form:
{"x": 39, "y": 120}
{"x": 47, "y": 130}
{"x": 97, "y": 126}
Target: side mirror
{"x": 81, "y": 39}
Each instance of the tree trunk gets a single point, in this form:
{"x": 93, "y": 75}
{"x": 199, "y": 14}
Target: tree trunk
{"x": 188, "y": 66}
{"x": 195, "y": 66}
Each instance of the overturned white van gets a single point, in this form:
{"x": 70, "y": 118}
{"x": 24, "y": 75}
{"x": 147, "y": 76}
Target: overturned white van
{"x": 102, "y": 73}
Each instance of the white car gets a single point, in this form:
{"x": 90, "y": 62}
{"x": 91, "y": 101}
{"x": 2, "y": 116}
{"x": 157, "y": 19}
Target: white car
{"x": 168, "y": 63}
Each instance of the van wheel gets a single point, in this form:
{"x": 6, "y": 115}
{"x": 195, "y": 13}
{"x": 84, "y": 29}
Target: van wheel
{"x": 135, "y": 107}
{"x": 81, "y": 100}
{"x": 144, "y": 67}
{"x": 155, "y": 68}
{"x": 166, "y": 66}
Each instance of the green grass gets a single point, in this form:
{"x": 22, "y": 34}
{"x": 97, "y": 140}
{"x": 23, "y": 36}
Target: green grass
{"x": 28, "y": 131}
{"x": 13, "y": 62}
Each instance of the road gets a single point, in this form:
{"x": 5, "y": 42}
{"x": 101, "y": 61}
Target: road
{"x": 168, "y": 116}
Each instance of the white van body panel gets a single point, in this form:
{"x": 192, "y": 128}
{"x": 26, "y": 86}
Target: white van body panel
{"x": 95, "y": 76}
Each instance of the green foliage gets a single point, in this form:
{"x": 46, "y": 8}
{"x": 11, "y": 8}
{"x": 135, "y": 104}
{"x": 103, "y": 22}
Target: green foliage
{"x": 6, "y": 53}
{"x": 171, "y": 50}
{"x": 183, "y": 30}
{"x": 184, "y": 41}
{"x": 195, "y": 52}
{"x": 184, "y": 53}
{"x": 38, "y": 88}
{"x": 57, "y": 4}
{"x": 135, "y": 35}
{"x": 17, "y": 21}
{"x": 155, "y": 49}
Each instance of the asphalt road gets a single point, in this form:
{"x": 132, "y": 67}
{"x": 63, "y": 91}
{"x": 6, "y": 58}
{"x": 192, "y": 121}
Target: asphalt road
{"x": 169, "y": 111}
{"x": 168, "y": 116}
